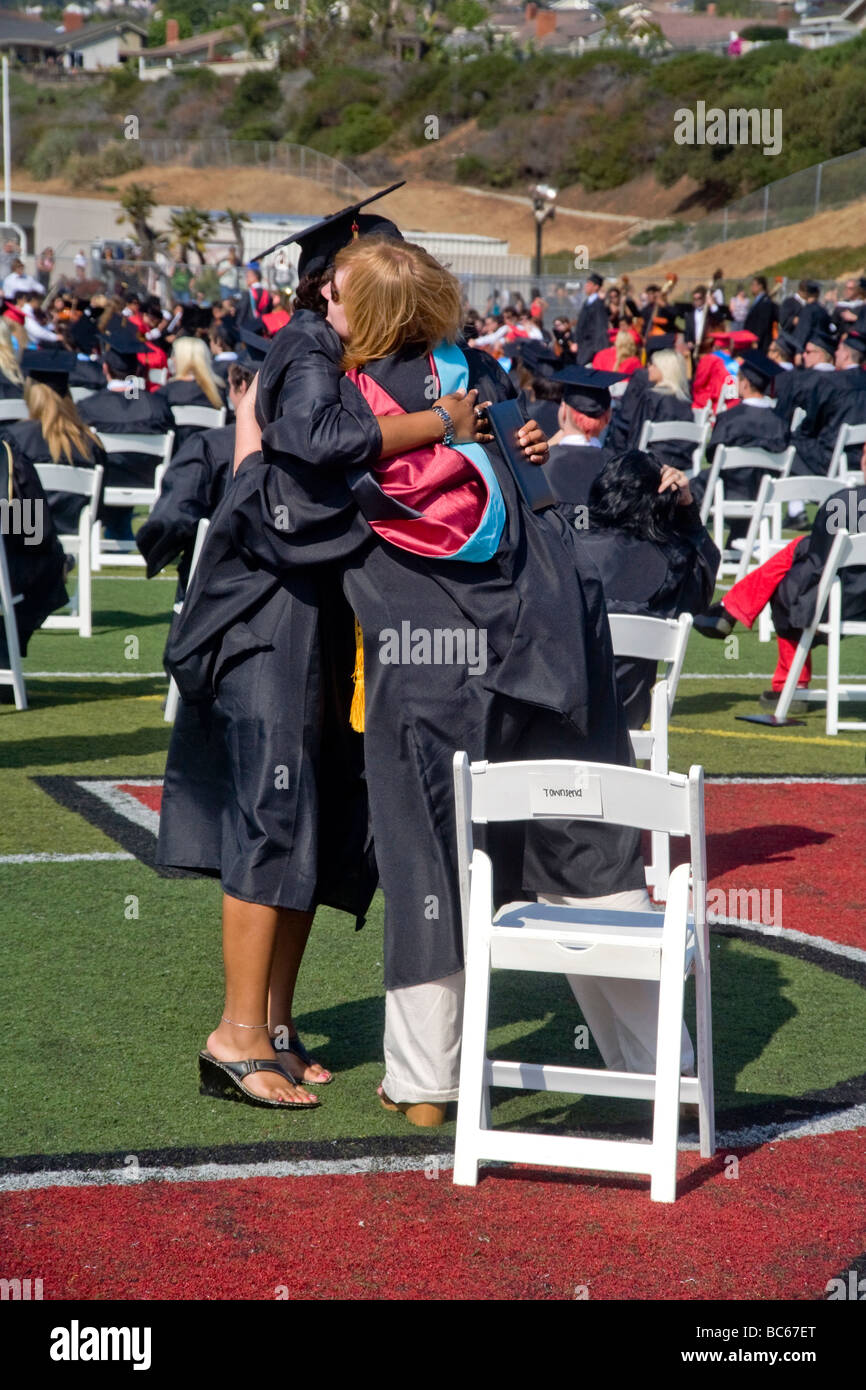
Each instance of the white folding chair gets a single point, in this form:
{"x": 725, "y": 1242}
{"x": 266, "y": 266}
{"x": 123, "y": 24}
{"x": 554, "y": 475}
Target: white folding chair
{"x": 702, "y": 415}
{"x": 659, "y": 432}
{"x": 83, "y": 482}
{"x": 848, "y": 435}
{"x": 765, "y": 525}
{"x": 797, "y": 418}
{"x": 11, "y": 674}
{"x": 725, "y": 459}
{"x": 13, "y": 409}
{"x": 173, "y": 697}
{"x": 81, "y": 393}
{"x": 655, "y": 639}
{"x": 584, "y": 941}
{"x": 206, "y": 417}
{"x": 158, "y": 446}
{"x": 728, "y": 393}
{"x": 846, "y": 552}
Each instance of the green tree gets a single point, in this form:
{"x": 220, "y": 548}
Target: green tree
{"x": 236, "y": 221}
{"x": 189, "y": 228}
{"x": 250, "y": 27}
{"x": 138, "y": 202}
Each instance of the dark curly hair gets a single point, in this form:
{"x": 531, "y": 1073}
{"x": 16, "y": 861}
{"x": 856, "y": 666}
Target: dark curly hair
{"x": 308, "y": 294}
{"x": 625, "y": 495}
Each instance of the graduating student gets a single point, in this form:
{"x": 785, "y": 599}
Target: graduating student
{"x": 837, "y": 396}
{"x": 659, "y": 392}
{"x": 791, "y": 307}
{"x": 578, "y": 457}
{"x": 813, "y": 321}
{"x": 193, "y": 484}
{"x": 789, "y": 582}
{"x": 752, "y": 424}
{"x": 541, "y": 384}
{"x": 513, "y": 582}
{"x": 654, "y": 555}
{"x": 124, "y": 406}
{"x": 54, "y": 432}
{"x": 591, "y": 330}
{"x": 33, "y": 552}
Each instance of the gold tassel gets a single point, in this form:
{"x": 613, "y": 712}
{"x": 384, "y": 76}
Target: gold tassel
{"x": 356, "y": 713}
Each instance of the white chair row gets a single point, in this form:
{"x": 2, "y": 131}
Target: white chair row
{"x": 81, "y": 482}
{"x": 725, "y": 459}
{"x": 584, "y": 941}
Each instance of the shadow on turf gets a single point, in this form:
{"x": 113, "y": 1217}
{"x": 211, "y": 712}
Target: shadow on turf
{"x": 764, "y": 844}
{"x": 50, "y": 694}
{"x": 84, "y": 748}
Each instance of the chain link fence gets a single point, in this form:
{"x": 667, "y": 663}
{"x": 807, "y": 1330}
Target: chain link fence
{"x": 296, "y": 160}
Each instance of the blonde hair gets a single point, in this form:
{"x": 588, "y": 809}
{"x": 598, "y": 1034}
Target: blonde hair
{"x": 8, "y": 359}
{"x": 191, "y": 357}
{"x": 64, "y": 432}
{"x": 623, "y": 347}
{"x": 397, "y": 293}
{"x": 672, "y": 368}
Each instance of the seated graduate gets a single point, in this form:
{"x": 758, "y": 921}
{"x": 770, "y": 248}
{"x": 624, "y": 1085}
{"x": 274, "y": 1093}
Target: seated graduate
{"x": 124, "y": 406}
{"x": 836, "y": 396}
{"x": 11, "y": 379}
{"x": 194, "y": 382}
{"x": 659, "y": 391}
{"x": 222, "y": 346}
{"x": 34, "y": 554}
{"x": 791, "y": 385}
{"x": 752, "y": 424}
{"x": 652, "y": 551}
{"x": 578, "y": 456}
{"x": 192, "y": 486}
{"x": 55, "y": 432}
{"x": 82, "y": 339}
{"x": 789, "y": 581}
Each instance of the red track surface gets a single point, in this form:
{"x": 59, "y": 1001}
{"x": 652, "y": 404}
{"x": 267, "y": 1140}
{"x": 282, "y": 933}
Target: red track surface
{"x": 793, "y": 1218}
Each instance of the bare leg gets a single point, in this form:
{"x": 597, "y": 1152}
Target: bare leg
{"x": 289, "y": 952}
{"x": 250, "y": 935}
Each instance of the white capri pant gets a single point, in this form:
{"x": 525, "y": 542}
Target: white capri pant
{"x": 423, "y": 1022}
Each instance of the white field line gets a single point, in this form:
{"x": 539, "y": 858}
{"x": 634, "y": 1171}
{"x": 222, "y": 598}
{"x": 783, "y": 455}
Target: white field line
{"x": 48, "y": 858}
{"x": 124, "y": 803}
{"x": 95, "y": 675}
{"x": 838, "y": 1122}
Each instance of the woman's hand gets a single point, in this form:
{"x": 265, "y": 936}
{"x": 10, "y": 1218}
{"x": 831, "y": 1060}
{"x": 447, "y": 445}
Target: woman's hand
{"x": 673, "y": 478}
{"x": 533, "y": 442}
{"x": 248, "y": 436}
{"x": 466, "y": 416}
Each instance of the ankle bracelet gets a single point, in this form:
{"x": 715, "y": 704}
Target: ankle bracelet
{"x": 242, "y": 1025}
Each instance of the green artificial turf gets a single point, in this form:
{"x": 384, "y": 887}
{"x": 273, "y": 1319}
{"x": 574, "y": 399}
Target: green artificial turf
{"x": 110, "y": 1009}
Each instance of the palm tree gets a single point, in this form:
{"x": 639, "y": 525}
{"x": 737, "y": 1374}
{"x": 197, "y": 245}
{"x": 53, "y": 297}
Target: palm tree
{"x": 250, "y": 27}
{"x": 189, "y": 228}
{"x": 236, "y": 220}
{"x": 138, "y": 203}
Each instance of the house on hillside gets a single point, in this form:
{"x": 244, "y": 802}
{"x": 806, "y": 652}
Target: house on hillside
{"x": 821, "y": 32}
{"x": 216, "y": 49}
{"x": 94, "y": 47}
{"x": 27, "y": 40}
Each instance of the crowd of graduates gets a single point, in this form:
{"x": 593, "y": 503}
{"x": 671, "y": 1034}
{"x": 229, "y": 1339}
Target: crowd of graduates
{"x": 335, "y": 487}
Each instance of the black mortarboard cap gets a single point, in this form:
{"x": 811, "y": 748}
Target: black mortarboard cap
{"x": 50, "y": 366}
{"x": 813, "y": 287}
{"x": 660, "y": 342}
{"x": 758, "y": 369}
{"x": 121, "y": 348}
{"x": 595, "y": 279}
{"x": 788, "y": 343}
{"x": 321, "y": 241}
{"x": 587, "y": 390}
{"x": 823, "y": 338}
{"x": 856, "y": 339}
{"x": 256, "y": 346}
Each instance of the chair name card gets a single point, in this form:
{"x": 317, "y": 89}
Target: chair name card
{"x": 564, "y": 794}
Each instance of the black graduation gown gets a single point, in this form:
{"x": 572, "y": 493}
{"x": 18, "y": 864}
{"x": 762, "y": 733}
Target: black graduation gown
{"x": 657, "y": 580}
{"x": 193, "y": 484}
{"x": 186, "y": 393}
{"x": 111, "y": 412}
{"x": 9, "y": 390}
{"x": 28, "y": 445}
{"x": 791, "y": 390}
{"x": 591, "y": 331}
{"x": 835, "y": 398}
{"x": 546, "y": 690}
{"x": 793, "y": 603}
{"x": 789, "y": 310}
{"x": 264, "y": 782}
{"x": 760, "y": 319}
{"x": 663, "y": 408}
{"x": 621, "y": 430}
{"x": 35, "y": 569}
{"x": 743, "y": 427}
{"x": 570, "y": 470}
{"x": 812, "y": 318}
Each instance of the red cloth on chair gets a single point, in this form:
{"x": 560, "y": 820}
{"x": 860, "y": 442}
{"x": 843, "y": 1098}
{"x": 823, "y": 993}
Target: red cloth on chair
{"x": 746, "y": 599}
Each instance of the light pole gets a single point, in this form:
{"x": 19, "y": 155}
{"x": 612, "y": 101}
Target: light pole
{"x": 543, "y": 207}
